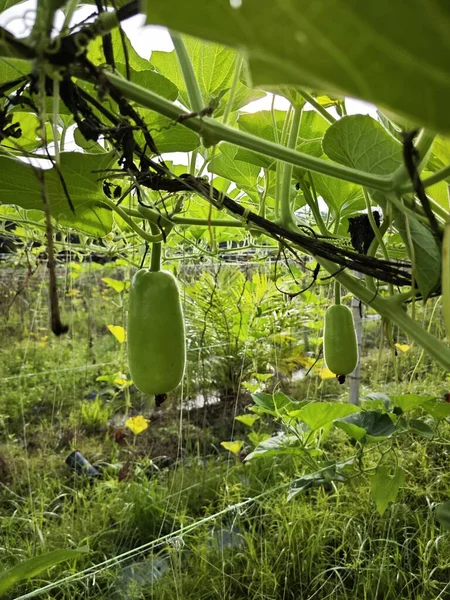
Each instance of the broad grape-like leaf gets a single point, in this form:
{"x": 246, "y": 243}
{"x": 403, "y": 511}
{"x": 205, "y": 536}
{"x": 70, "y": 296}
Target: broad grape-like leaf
{"x": 280, "y": 444}
{"x": 13, "y": 68}
{"x": 20, "y": 186}
{"x": 235, "y": 446}
{"x": 395, "y": 54}
{"x": 269, "y": 126}
{"x": 360, "y": 142}
{"x": 337, "y": 193}
{"x": 369, "y": 426}
{"x": 427, "y": 254}
{"x": 422, "y": 428}
{"x": 244, "y": 174}
{"x": 118, "y": 39}
{"x": 214, "y": 68}
{"x": 385, "y": 487}
{"x": 441, "y": 149}
{"x": 409, "y": 401}
{"x": 273, "y": 403}
{"x": 248, "y": 420}
{"x": 318, "y": 414}
{"x": 437, "y": 409}
{"x": 168, "y": 135}
{"x": 440, "y": 193}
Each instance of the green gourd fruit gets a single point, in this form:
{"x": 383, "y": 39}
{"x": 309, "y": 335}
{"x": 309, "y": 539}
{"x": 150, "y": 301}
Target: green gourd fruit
{"x": 155, "y": 332}
{"x": 339, "y": 340}
{"x": 445, "y": 278}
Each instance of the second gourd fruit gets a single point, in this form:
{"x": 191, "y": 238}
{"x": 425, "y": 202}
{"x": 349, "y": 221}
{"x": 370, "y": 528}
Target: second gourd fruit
{"x": 445, "y": 282}
{"x": 339, "y": 340}
{"x": 155, "y": 332}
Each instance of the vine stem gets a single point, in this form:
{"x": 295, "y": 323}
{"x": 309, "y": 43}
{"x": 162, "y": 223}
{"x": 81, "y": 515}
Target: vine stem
{"x": 195, "y": 96}
{"x": 424, "y": 142}
{"x": 312, "y": 202}
{"x": 234, "y": 84}
{"x": 214, "y": 132}
{"x": 318, "y": 107}
{"x": 287, "y": 218}
{"x": 155, "y": 217}
{"x": 437, "y": 177}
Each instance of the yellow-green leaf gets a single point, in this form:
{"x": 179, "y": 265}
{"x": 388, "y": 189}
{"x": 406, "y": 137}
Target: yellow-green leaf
{"x": 402, "y": 347}
{"x": 234, "y": 447}
{"x": 248, "y": 420}
{"x": 118, "y": 332}
{"x": 325, "y": 373}
{"x": 115, "y": 284}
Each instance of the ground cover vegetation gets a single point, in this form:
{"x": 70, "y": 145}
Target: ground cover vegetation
{"x": 236, "y": 468}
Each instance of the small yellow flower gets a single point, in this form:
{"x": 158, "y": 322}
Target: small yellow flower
{"x": 137, "y": 424}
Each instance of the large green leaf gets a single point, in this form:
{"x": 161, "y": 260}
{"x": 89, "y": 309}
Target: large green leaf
{"x": 360, "y": 142}
{"x": 368, "y": 426}
{"x": 409, "y": 401}
{"x": 337, "y": 193}
{"x": 278, "y": 445}
{"x": 438, "y": 409}
{"x": 274, "y": 404}
{"x": 20, "y": 186}
{"x": 135, "y": 61}
{"x": 34, "y": 566}
{"x": 152, "y": 80}
{"x": 13, "y": 68}
{"x": 244, "y": 174}
{"x": 269, "y": 126}
{"x": 392, "y": 53}
{"x": 168, "y": 135}
{"x": 214, "y": 67}
{"x": 385, "y": 486}
{"x": 427, "y": 254}
{"x": 441, "y": 149}
{"x": 318, "y": 414}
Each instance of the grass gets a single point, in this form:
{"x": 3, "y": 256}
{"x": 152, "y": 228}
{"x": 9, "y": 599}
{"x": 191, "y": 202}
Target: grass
{"x": 175, "y": 482}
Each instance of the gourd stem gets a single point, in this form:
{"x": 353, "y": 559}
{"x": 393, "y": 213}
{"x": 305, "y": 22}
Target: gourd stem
{"x": 424, "y": 142}
{"x": 155, "y": 263}
{"x": 287, "y": 218}
{"x": 440, "y": 175}
{"x": 234, "y": 85}
{"x": 318, "y": 107}
{"x": 311, "y": 201}
{"x": 193, "y": 90}
{"x": 337, "y": 292}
